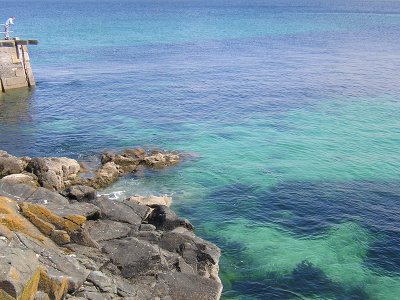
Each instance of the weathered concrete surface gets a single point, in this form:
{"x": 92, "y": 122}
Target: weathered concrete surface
{"x": 15, "y": 67}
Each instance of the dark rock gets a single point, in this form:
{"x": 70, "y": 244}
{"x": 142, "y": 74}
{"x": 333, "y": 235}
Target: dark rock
{"x": 103, "y": 230}
{"x": 55, "y": 173}
{"x": 165, "y": 219}
{"x": 117, "y": 211}
{"x": 183, "y": 286}
{"x": 125, "y": 288}
{"x": 141, "y": 210}
{"x": 102, "y": 282}
{"x": 201, "y": 255}
{"x": 134, "y": 257}
{"x": 80, "y": 193}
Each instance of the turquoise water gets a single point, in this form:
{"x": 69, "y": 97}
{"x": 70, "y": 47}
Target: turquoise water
{"x": 288, "y": 114}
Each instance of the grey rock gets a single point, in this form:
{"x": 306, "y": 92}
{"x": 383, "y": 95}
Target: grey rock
{"x": 117, "y": 211}
{"x": 17, "y": 268}
{"x": 165, "y": 219}
{"x": 151, "y": 200}
{"x": 57, "y": 263}
{"x": 102, "y": 282}
{"x": 134, "y": 257}
{"x": 103, "y": 230}
{"x": 147, "y": 227}
{"x": 183, "y": 286}
{"x": 81, "y": 193}
{"x": 16, "y": 191}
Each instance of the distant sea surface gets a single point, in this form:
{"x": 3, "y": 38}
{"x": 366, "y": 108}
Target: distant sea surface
{"x": 288, "y": 113}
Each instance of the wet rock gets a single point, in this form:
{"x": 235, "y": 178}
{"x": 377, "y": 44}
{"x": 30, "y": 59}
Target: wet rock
{"x": 20, "y": 179}
{"x": 10, "y": 164}
{"x": 151, "y": 200}
{"x": 55, "y": 173}
{"x": 165, "y": 219}
{"x": 19, "y": 273}
{"x": 80, "y": 193}
{"x": 103, "y": 230}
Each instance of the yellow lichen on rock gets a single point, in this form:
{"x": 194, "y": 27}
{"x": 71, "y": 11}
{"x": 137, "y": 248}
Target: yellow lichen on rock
{"x": 31, "y": 287}
{"x": 10, "y": 218}
{"x": 55, "y": 289}
{"x": 36, "y": 211}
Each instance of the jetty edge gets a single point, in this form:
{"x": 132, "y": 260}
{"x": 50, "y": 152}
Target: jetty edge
{"x": 15, "y": 66}
{"x": 59, "y": 239}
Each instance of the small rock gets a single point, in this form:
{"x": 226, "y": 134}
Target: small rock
{"x": 102, "y": 282}
{"x": 151, "y": 200}
{"x": 80, "y": 193}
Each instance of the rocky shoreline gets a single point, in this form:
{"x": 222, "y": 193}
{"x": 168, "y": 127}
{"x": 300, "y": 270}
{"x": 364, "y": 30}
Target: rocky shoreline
{"x": 60, "y": 240}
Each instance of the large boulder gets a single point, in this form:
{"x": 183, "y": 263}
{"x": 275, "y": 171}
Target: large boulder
{"x": 10, "y": 164}
{"x": 29, "y": 179}
{"x": 55, "y": 173}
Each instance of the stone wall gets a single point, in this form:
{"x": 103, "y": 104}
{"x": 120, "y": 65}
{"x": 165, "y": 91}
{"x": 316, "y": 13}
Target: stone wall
{"x": 15, "y": 67}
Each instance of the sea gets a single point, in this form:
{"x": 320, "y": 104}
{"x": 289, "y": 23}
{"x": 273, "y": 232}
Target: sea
{"x": 287, "y": 114}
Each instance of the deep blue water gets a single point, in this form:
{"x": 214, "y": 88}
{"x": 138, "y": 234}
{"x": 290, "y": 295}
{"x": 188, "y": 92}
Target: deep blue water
{"x": 289, "y": 111}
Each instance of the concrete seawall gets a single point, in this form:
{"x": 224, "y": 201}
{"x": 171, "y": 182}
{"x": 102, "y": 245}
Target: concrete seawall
{"x": 15, "y": 67}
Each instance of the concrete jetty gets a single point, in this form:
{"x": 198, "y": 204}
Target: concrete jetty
{"x": 15, "y": 67}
